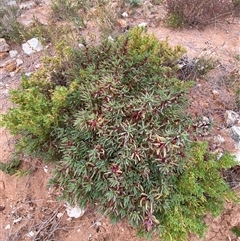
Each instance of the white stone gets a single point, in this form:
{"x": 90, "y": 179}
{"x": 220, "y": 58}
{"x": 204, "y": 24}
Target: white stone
{"x": 31, "y": 46}
{"x": 17, "y": 220}
{"x": 236, "y": 133}
{"x": 206, "y": 120}
{"x": 81, "y": 46}
{"x": 31, "y": 234}
{"x": 12, "y": 74}
{"x": 13, "y": 53}
{"x": 12, "y": 3}
{"x": 4, "y": 47}
{"x": 27, "y": 6}
{"x": 8, "y": 227}
{"x": 110, "y": 38}
{"x": 28, "y": 74}
{"x": 230, "y": 118}
{"x": 45, "y": 168}
{"x": 215, "y": 93}
{"x": 38, "y": 66}
{"x": 74, "y": 212}
{"x": 59, "y": 215}
{"x": 142, "y": 25}
{"x": 19, "y": 62}
{"x": 124, "y": 14}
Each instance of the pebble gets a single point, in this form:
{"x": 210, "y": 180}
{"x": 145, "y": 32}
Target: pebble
{"x": 27, "y": 6}
{"x": 110, "y": 38}
{"x": 8, "y": 227}
{"x": 74, "y": 212}
{"x": 17, "y": 220}
{"x": 81, "y": 45}
{"x": 38, "y": 66}
{"x": 236, "y": 133}
{"x": 59, "y": 215}
{"x": 12, "y": 74}
{"x": 122, "y": 23}
{"x": 230, "y": 117}
{"x": 19, "y": 62}
{"x": 13, "y": 53}
{"x": 215, "y": 94}
{"x": 11, "y": 66}
{"x": 12, "y": 3}
{"x": 4, "y": 47}
{"x": 3, "y": 55}
{"x": 31, "y": 234}
{"x": 124, "y": 14}
{"x": 142, "y": 25}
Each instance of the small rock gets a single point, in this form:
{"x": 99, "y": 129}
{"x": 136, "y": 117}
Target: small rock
{"x": 206, "y": 120}
{"x": 4, "y": 47}
{"x": 124, "y": 14}
{"x": 122, "y": 23}
{"x": 236, "y": 133}
{"x": 81, "y": 45}
{"x": 31, "y": 234}
{"x": 142, "y": 25}
{"x": 17, "y": 220}
{"x": 110, "y": 38}
{"x": 215, "y": 94}
{"x": 12, "y": 3}
{"x": 27, "y": 6}
{"x": 13, "y": 53}
{"x": 74, "y": 212}
{"x": 31, "y": 46}
{"x": 5, "y": 92}
{"x": 230, "y": 118}
{"x": 218, "y": 139}
{"x": 11, "y": 66}
{"x": 8, "y": 227}
{"x": 19, "y": 62}
{"x": 38, "y": 66}
{"x": 45, "y": 168}
{"x": 12, "y": 74}
{"x": 28, "y": 74}
{"x": 59, "y": 215}
{"x": 3, "y": 55}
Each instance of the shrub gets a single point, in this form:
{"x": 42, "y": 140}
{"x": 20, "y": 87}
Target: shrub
{"x": 69, "y": 10}
{"x": 10, "y": 28}
{"x": 195, "y": 12}
{"x": 113, "y": 117}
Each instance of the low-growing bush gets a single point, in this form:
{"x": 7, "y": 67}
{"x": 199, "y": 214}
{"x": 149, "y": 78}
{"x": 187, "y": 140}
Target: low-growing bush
{"x": 196, "y": 12}
{"x": 10, "y": 28}
{"x": 113, "y": 119}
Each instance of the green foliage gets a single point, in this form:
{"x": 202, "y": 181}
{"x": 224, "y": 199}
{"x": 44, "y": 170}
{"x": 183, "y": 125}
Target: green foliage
{"x": 10, "y": 28}
{"x": 236, "y": 231}
{"x": 174, "y": 20}
{"x": 113, "y": 117}
{"x": 135, "y": 3}
{"x": 69, "y": 10}
{"x": 198, "y": 190}
{"x": 11, "y": 167}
